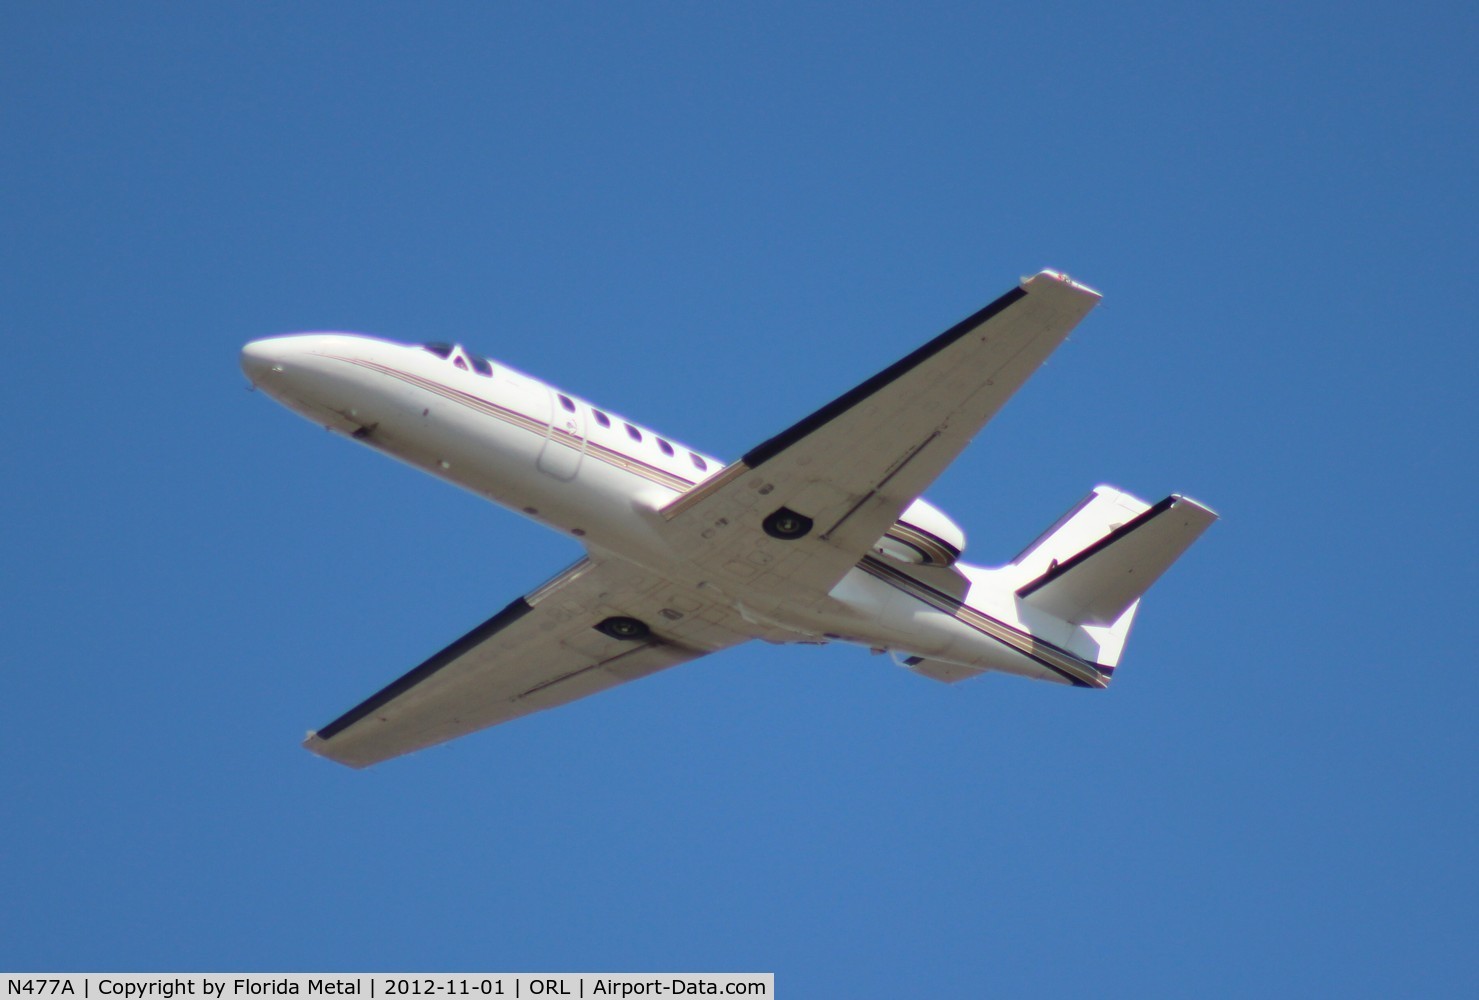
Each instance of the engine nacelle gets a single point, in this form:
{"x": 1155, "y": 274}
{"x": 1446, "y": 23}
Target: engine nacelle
{"x": 923, "y": 536}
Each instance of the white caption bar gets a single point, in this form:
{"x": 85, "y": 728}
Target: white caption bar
{"x": 378, "y": 986}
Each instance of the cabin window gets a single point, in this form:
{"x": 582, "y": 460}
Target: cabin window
{"x": 566, "y": 402}
{"x": 698, "y": 462}
{"x": 633, "y": 433}
{"x": 440, "y": 349}
{"x": 481, "y": 365}
{"x": 601, "y": 418}
{"x": 665, "y": 448}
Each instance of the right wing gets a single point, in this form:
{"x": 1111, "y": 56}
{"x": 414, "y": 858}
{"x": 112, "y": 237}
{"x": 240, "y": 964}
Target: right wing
{"x": 541, "y": 651}
{"x": 851, "y": 468}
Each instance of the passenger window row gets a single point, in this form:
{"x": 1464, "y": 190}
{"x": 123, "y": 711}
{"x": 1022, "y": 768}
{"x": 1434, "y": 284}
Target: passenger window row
{"x": 482, "y": 366}
{"x": 604, "y": 420}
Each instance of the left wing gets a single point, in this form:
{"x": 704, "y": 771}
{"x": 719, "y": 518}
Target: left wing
{"x": 798, "y": 511}
{"x": 553, "y": 646}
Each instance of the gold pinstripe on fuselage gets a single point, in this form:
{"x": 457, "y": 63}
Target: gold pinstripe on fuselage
{"x": 1060, "y": 661}
{"x": 594, "y": 449}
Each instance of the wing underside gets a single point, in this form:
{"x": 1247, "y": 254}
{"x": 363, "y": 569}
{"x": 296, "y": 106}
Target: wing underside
{"x": 541, "y": 651}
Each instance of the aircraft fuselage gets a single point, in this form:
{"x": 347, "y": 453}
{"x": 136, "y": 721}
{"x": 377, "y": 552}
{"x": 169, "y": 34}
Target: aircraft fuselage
{"x": 603, "y": 480}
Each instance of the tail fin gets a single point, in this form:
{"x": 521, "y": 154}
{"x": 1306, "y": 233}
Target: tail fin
{"x": 1092, "y": 566}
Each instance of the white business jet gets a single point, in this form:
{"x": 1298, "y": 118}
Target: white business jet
{"x": 816, "y": 535}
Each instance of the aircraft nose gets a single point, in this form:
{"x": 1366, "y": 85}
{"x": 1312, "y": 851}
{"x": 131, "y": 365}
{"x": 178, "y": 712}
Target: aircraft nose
{"x": 260, "y": 359}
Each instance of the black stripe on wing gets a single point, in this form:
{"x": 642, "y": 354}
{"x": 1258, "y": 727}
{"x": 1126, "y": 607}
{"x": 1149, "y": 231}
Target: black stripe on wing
{"x": 769, "y": 449}
{"x": 380, "y": 699}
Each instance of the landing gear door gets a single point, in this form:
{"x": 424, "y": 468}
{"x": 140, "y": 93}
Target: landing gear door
{"x": 564, "y": 442}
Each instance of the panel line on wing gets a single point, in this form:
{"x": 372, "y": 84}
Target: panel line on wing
{"x": 827, "y": 535}
{"x": 587, "y": 669}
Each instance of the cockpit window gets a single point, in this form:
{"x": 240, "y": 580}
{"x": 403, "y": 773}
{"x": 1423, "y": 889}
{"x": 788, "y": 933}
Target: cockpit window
{"x": 481, "y": 365}
{"x": 440, "y": 349}
{"x": 460, "y": 363}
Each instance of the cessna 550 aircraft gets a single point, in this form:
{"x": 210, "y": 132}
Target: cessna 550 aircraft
{"x": 815, "y": 535}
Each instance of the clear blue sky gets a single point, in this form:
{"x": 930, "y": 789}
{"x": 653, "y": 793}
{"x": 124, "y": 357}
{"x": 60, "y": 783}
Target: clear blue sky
{"x": 714, "y": 222}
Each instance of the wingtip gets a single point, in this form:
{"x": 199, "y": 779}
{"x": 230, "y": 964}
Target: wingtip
{"x": 1206, "y": 512}
{"x": 1059, "y": 278}
{"x": 319, "y": 747}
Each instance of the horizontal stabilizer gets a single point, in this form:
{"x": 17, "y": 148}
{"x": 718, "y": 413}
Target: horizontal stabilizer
{"x": 1100, "y": 582}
